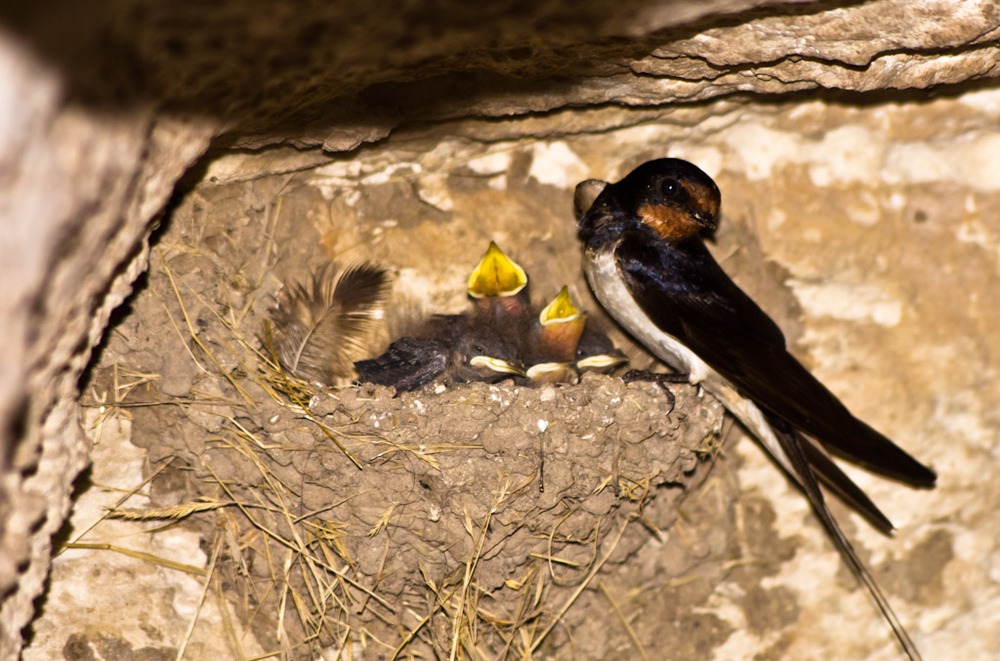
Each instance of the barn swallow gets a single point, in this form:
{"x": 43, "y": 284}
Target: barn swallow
{"x": 451, "y": 348}
{"x": 553, "y": 339}
{"x": 597, "y": 353}
{"x": 646, "y": 261}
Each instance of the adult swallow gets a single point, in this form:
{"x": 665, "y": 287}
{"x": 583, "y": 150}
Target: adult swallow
{"x": 451, "y": 348}
{"x": 646, "y": 261}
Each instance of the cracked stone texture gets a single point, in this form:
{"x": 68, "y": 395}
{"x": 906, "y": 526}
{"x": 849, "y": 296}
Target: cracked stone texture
{"x": 107, "y": 105}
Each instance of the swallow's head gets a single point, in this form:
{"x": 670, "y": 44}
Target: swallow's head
{"x": 560, "y": 324}
{"x": 596, "y": 352}
{"x": 669, "y": 198}
{"x": 481, "y": 353}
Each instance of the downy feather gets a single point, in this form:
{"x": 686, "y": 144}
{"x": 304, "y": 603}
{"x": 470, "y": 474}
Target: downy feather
{"x": 323, "y": 326}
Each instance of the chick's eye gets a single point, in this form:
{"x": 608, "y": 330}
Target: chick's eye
{"x": 670, "y": 187}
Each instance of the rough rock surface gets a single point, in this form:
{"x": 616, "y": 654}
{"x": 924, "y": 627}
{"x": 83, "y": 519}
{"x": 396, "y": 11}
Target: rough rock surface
{"x": 80, "y": 192}
{"x": 108, "y": 104}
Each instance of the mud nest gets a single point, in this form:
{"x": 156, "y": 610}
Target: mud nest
{"x": 463, "y": 520}
{"x": 479, "y": 513}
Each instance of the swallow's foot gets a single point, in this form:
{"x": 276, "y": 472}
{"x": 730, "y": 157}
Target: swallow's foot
{"x": 660, "y": 379}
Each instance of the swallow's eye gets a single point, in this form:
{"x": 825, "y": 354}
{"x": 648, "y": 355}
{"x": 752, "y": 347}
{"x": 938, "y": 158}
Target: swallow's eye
{"x": 478, "y": 350}
{"x": 670, "y": 187}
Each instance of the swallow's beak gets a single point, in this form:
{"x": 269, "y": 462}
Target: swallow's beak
{"x": 560, "y": 324}
{"x": 496, "y": 275}
{"x": 710, "y": 221}
{"x": 552, "y": 373}
{"x": 499, "y": 287}
{"x": 596, "y": 352}
{"x": 602, "y": 362}
{"x": 496, "y": 364}
{"x": 560, "y": 310}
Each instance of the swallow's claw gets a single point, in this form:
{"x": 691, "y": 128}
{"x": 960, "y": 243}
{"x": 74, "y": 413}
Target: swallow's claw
{"x": 660, "y": 379}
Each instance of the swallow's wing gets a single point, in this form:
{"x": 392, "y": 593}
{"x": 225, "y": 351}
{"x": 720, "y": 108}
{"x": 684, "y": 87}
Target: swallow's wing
{"x": 688, "y": 295}
{"x": 830, "y": 474}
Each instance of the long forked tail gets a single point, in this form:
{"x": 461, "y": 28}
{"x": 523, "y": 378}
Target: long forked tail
{"x": 793, "y": 443}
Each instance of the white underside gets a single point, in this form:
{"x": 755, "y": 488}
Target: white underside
{"x": 609, "y": 287}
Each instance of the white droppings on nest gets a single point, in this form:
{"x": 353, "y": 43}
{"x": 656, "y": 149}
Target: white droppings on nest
{"x": 497, "y": 395}
{"x": 378, "y": 418}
